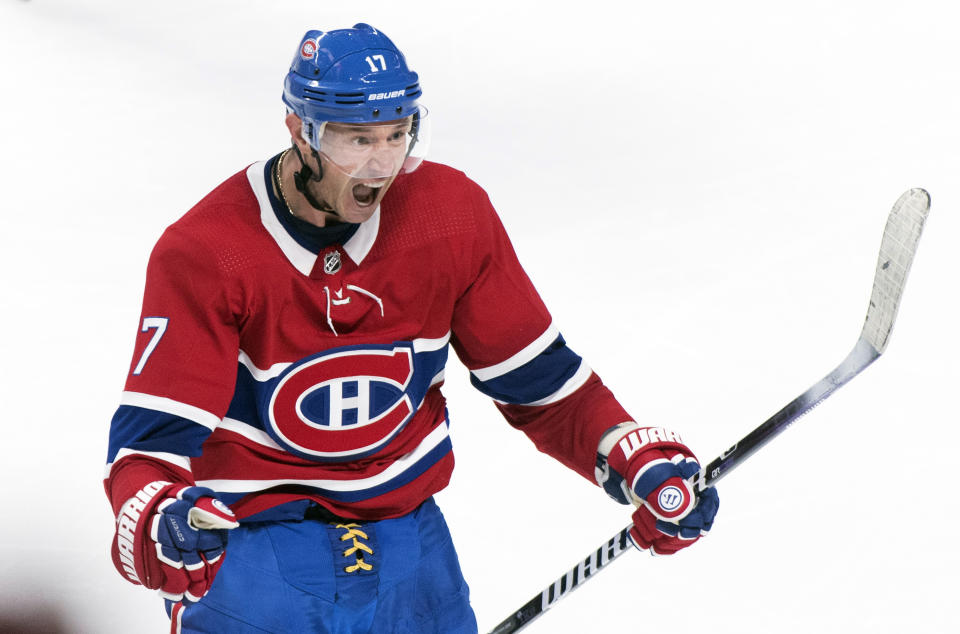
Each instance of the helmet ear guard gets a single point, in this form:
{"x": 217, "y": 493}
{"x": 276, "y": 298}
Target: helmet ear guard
{"x": 419, "y": 140}
{"x": 312, "y": 131}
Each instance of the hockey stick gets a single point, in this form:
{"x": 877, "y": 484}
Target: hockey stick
{"x": 897, "y": 248}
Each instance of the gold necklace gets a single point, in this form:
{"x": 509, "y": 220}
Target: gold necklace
{"x": 277, "y": 174}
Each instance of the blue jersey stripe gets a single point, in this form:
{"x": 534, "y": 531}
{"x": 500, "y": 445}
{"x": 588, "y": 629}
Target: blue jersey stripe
{"x": 143, "y": 429}
{"x": 537, "y": 379}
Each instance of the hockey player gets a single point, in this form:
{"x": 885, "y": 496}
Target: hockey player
{"x": 285, "y": 384}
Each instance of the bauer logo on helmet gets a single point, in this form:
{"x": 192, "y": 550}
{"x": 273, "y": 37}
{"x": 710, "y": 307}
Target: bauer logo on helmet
{"x": 386, "y": 95}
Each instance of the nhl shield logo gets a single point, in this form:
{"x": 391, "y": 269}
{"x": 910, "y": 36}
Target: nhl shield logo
{"x": 331, "y": 262}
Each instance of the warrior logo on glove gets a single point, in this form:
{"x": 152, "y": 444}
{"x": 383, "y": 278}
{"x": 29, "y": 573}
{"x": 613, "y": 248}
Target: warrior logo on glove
{"x": 127, "y": 520}
{"x": 670, "y": 498}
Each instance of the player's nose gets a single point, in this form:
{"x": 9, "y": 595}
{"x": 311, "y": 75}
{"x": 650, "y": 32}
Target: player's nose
{"x": 382, "y": 159}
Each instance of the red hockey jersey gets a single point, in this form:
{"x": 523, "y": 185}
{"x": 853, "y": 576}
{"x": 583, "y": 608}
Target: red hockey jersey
{"x": 279, "y": 373}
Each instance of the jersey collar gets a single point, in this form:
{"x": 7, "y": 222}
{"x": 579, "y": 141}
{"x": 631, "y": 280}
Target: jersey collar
{"x": 357, "y": 247}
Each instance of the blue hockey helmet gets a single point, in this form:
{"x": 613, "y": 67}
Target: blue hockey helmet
{"x": 353, "y": 75}
{"x": 350, "y": 75}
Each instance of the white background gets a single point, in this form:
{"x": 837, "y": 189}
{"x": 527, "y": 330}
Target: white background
{"x": 698, "y": 190}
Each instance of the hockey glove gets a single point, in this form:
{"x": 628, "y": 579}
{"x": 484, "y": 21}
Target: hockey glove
{"x": 651, "y": 467}
{"x": 171, "y": 538}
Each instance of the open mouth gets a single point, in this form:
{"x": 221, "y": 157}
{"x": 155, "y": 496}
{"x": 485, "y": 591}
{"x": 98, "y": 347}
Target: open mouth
{"x": 365, "y": 194}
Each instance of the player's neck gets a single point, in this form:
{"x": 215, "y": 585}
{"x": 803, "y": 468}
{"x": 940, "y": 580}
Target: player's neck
{"x": 296, "y": 203}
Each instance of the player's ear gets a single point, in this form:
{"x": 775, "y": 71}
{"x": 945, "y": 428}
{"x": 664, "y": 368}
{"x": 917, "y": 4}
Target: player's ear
{"x": 295, "y": 126}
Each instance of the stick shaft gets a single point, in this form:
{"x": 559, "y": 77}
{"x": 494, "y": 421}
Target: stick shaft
{"x": 897, "y": 248}
{"x": 585, "y": 569}
{"x": 859, "y": 358}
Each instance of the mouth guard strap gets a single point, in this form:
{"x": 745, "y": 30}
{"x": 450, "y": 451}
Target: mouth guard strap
{"x": 305, "y": 174}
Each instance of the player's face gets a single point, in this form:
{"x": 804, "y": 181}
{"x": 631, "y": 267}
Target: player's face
{"x": 360, "y": 162}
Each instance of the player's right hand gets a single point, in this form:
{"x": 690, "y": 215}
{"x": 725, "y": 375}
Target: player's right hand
{"x": 171, "y": 538}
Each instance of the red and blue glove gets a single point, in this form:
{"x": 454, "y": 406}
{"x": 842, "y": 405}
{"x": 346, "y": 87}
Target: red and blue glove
{"x": 171, "y": 538}
{"x": 651, "y": 467}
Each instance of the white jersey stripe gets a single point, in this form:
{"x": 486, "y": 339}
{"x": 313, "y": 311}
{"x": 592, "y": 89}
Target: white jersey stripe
{"x": 526, "y": 355}
{"x": 431, "y": 345}
{"x": 250, "y": 432}
{"x": 397, "y": 468}
{"x": 170, "y": 406}
{"x": 259, "y": 374}
{"x": 180, "y": 461}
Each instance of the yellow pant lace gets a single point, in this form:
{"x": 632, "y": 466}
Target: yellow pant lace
{"x": 357, "y": 549}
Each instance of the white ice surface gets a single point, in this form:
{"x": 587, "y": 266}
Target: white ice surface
{"x": 698, "y": 190}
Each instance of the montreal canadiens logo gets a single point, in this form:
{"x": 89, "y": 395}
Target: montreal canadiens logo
{"x": 308, "y": 49}
{"x": 670, "y": 498}
{"x": 342, "y": 404}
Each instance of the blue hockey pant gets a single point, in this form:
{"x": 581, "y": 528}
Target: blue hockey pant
{"x": 336, "y": 577}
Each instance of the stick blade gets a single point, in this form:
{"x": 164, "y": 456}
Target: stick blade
{"x": 899, "y": 244}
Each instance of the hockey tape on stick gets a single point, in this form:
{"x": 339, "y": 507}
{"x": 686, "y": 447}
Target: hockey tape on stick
{"x": 897, "y": 248}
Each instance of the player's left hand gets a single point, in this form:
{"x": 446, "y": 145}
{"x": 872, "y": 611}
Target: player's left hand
{"x": 658, "y": 526}
{"x": 657, "y": 467}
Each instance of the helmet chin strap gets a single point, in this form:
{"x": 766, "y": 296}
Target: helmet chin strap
{"x": 305, "y": 174}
